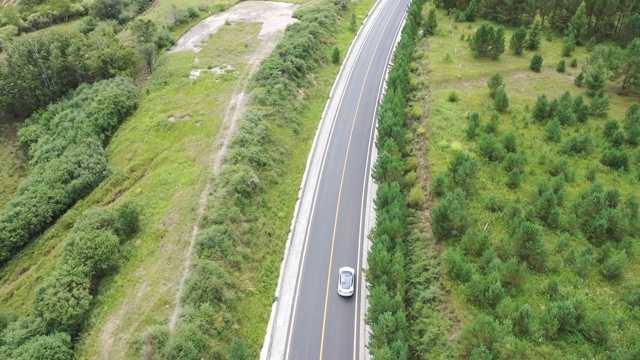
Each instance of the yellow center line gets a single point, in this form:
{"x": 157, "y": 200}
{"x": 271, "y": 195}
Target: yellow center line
{"x": 344, "y": 169}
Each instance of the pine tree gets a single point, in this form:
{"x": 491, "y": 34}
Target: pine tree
{"x": 541, "y": 108}
{"x": 579, "y": 79}
{"x": 431, "y": 24}
{"x": 498, "y": 43}
{"x": 501, "y": 101}
{"x": 595, "y": 79}
{"x": 561, "y": 66}
{"x": 494, "y": 83}
{"x": 568, "y": 45}
{"x": 534, "y": 36}
{"x": 335, "y": 57}
{"x": 352, "y": 24}
{"x": 553, "y": 131}
{"x": 578, "y": 24}
{"x": 483, "y": 40}
{"x": 471, "y": 11}
{"x": 536, "y": 63}
{"x": 517, "y": 41}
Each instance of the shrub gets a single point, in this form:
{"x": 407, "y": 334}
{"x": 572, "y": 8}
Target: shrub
{"x": 509, "y": 142}
{"x": 449, "y": 219}
{"x": 416, "y": 196}
{"x": 238, "y": 350}
{"x": 579, "y": 79}
{"x": 483, "y": 331}
{"x": 514, "y": 179}
{"x": 577, "y": 145}
{"x": 462, "y": 171}
{"x": 431, "y": 24}
{"x": 561, "y": 68}
{"x": 187, "y": 344}
{"x": 488, "y": 42}
{"x": 456, "y": 267}
{"x": 534, "y": 35}
{"x": 335, "y": 56}
{"x": 473, "y": 124}
{"x": 208, "y": 284}
{"x": 494, "y": 83}
{"x": 439, "y": 186}
{"x": 597, "y": 330}
{"x": 536, "y": 63}
{"x": 64, "y": 300}
{"x": 454, "y": 96}
{"x": 568, "y": 45}
{"x": 574, "y": 63}
{"x": 475, "y": 244}
{"x": 517, "y": 42}
{"x": 529, "y": 247}
{"x": 127, "y": 219}
{"x": 491, "y": 149}
{"x": 613, "y": 268}
{"x": 615, "y": 159}
{"x": 553, "y": 131}
{"x": 541, "y": 108}
{"x": 501, "y": 101}
{"x": 523, "y": 321}
{"x": 600, "y": 106}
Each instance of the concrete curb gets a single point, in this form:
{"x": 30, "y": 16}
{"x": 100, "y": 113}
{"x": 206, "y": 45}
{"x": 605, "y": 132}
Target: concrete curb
{"x": 274, "y": 346}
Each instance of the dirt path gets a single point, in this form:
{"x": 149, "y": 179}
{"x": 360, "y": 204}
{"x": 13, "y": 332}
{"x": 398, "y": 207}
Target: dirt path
{"x": 274, "y": 18}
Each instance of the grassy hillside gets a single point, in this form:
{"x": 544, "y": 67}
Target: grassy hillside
{"x": 571, "y": 305}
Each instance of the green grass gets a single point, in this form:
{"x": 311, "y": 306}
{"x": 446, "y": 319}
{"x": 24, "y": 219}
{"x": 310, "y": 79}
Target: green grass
{"x": 446, "y": 64}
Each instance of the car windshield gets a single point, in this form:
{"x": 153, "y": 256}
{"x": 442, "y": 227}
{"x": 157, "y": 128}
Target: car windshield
{"x": 345, "y": 280}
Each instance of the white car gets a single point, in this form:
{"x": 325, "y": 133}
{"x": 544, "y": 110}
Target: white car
{"x": 346, "y": 281}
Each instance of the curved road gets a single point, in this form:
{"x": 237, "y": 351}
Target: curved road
{"x": 325, "y": 325}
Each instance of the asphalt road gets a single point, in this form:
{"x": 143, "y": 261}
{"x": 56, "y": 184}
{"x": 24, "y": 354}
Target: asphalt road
{"x": 325, "y": 325}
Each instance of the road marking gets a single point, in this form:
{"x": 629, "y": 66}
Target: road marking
{"x": 376, "y": 15}
{"x": 344, "y": 169}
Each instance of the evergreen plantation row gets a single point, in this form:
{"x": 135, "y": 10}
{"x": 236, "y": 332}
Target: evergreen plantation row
{"x": 402, "y": 282}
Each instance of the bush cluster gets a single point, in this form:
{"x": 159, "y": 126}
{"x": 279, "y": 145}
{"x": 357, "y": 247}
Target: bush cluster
{"x": 66, "y": 149}
{"x": 61, "y": 304}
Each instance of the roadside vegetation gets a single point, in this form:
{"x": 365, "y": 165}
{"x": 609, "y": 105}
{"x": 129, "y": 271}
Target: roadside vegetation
{"x": 159, "y": 161}
{"x": 530, "y": 157}
{"x": 229, "y": 295}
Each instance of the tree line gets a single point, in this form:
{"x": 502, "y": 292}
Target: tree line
{"x": 47, "y": 65}
{"x": 617, "y": 19}
{"x": 389, "y": 315}
{"x": 31, "y": 15}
